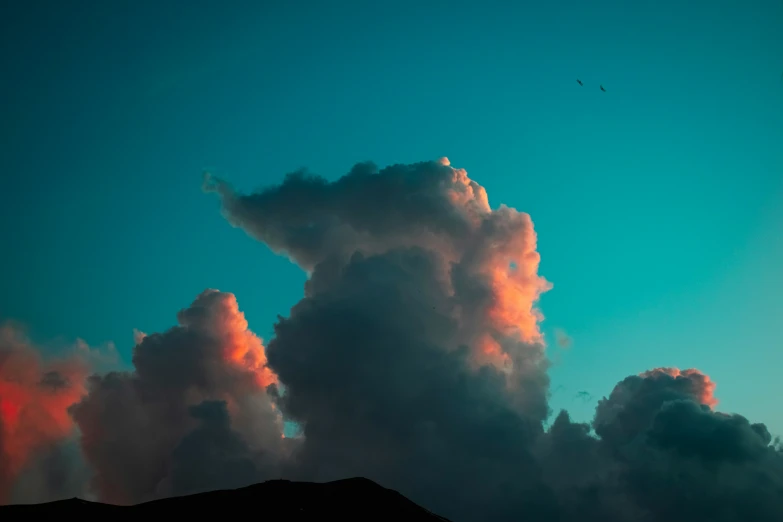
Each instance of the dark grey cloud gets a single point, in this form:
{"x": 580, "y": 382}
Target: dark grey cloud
{"x": 370, "y": 377}
{"x": 660, "y": 452}
{"x": 213, "y": 456}
{"x": 634, "y": 402}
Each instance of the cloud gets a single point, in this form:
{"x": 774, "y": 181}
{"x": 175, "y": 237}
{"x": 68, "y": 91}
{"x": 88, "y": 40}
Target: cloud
{"x": 138, "y": 336}
{"x": 417, "y": 338}
{"x": 635, "y": 401}
{"x": 485, "y": 260}
{"x": 414, "y": 358}
{"x": 662, "y": 453}
{"x": 136, "y": 426}
{"x": 53, "y": 472}
{"x": 213, "y": 456}
{"x": 34, "y": 396}
{"x": 562, "y": 339}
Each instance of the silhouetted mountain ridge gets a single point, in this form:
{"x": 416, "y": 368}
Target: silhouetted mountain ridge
{"x": 348, "y": 499}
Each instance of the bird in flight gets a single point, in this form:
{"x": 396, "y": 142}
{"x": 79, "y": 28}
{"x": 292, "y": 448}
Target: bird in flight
{"x": 584, "y": 395}
{"x": 602, "y": 88}
{"x": 579, "y": 82}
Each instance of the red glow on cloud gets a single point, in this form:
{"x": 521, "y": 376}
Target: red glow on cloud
{"x": 34, "y": 401}
{"x": 9, "y": 406}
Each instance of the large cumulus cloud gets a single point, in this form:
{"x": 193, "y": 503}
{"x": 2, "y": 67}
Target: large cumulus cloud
{"x": 415, "y": 357}
{"x": 200, "y": 385}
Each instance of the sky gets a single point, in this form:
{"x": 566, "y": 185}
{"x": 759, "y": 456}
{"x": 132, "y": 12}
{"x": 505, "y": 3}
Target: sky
{"x": 656, "y": 204}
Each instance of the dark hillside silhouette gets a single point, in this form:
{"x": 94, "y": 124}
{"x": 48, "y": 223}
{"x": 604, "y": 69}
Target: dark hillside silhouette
{"x": 350, "y": 499}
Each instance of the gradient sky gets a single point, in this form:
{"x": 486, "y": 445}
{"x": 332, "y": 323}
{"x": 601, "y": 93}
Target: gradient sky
{"x": 658, "y": 204}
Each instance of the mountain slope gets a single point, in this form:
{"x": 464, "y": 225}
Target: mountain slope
{"x": 350, "y": 499}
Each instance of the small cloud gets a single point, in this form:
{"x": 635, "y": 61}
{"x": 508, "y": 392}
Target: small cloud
{"x": 100, "y": 358}
{"x": 562, "y": 339}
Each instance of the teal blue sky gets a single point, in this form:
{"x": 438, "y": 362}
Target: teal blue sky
{"x": 657, "y": 202}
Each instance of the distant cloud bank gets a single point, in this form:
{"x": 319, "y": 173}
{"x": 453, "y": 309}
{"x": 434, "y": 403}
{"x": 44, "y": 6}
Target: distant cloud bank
{"x": 414, "y": 358}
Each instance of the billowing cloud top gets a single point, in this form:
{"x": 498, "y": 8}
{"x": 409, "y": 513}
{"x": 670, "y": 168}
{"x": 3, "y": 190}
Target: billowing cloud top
{"x": 414, "y": 358}
{"x": 141, "y": 429}
{"x": 485, "y": 261}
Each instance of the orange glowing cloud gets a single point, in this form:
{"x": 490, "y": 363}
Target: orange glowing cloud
{"x": 486, "y": 258}
{"x": 240, "y": 346}
{"x": 508, "y": 262}
{"x": 703, "y": 386}
{"x": 34, "y": 401}
{"x": 490, "y": 352}
{"x": 503, "y": 253}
